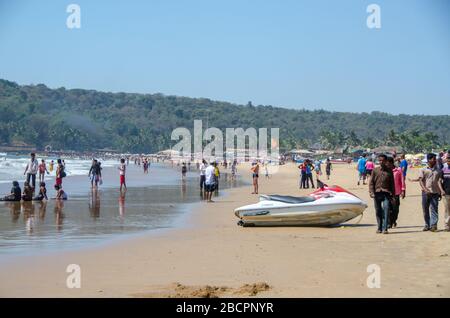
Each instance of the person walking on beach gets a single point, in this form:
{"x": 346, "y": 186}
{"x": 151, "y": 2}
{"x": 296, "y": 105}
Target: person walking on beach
{"x": 209, "y": 182}
{"x": 266, "y": 170}
{"x": 369, "y": 167}
{"x": 255, "y": 175}
{"x": 403, "y": 164}
{"x": 42, "y": 170}
{"x": 15, "y": 194}
{"x": 31, "y": 169}
{"x": 381, "y": 189}
{"x": 446, "y": 194}
{"x": 399, "y": 191}
{"x": 122, "y": 169}
{"x": 94, "y": 173}
{"x": 328, "y": 168}
{"x": 430, "y": 180}
{"x": 361, "y": 167}
{"x": 318, "y": 168}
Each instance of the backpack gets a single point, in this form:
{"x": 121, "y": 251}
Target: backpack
{"x": 62, "y": 173}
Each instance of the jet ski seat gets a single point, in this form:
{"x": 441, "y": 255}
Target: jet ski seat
{"x": 288, "y": 198}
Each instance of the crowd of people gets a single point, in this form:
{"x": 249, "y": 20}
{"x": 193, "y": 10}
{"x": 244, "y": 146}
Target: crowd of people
{"x": 387, "y": 187}
{"x": 32, "y": 169}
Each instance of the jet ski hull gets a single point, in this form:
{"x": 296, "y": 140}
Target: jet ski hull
{"x": 328, "y": 210}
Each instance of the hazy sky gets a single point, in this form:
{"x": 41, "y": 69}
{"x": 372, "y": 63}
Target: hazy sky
{"x": 312, "y": 54}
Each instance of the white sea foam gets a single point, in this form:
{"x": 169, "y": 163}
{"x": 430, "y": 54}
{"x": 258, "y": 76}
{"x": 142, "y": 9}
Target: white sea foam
{"x": 12, "y": 168}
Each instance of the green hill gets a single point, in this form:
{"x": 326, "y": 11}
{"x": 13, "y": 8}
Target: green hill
{"x": 79, "y": 119}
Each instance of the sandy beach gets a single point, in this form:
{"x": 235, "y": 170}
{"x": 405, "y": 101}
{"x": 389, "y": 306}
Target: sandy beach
{"x": 211, "y": 256}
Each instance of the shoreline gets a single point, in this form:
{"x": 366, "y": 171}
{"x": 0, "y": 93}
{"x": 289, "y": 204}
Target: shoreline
{"x": 262, "y": 262}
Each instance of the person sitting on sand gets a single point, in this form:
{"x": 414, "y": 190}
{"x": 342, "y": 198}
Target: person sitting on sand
{"x": 27, "y": 194}
{"x": 60, "y": 194}
{"x": 15, "y": 195}
{"x": 42, "y": 193}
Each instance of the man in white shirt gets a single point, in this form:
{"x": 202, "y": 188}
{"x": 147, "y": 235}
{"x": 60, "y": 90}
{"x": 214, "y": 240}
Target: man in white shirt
{"x": 209, "y": 182}
{"x": 31, "y": 170}
{"x": 202, "y": 169}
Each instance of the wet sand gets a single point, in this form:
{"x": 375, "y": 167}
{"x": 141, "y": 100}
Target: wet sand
{"x": 211, "y": 256}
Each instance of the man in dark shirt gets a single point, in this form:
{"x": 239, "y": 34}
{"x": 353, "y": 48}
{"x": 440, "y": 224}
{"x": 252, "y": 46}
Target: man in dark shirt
{"x": 381, "y": 189}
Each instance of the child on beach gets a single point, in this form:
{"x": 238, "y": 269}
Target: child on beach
{"x": 15, "y": 195}
{"x": 122, "y": 169}
{"x": 42, "y": 170}
{"x": 42, "y": 193}
{"x": 60, "y": 194}
{"x": 27, "y": 194}
{"x": 50, "y": 166}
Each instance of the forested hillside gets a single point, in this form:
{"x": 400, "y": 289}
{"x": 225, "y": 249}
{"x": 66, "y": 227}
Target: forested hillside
{"x": 78, "y": 119}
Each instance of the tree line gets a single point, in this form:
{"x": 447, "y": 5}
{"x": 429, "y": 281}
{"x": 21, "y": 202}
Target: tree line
{"x": 85, "y": 120}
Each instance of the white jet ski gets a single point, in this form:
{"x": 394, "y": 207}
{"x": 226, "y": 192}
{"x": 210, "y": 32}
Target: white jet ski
{"x": 324, "y": 207}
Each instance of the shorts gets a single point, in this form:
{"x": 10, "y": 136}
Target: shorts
{"x": 94, "y": 177}
{"x": 58, "y": 181}
{"x": 362, "y": 174}
{"x": 369, "y": 172}
{"x": 210, "y": 187}
{"x": 122, "y": 179}
{"x": 255, "y": 175}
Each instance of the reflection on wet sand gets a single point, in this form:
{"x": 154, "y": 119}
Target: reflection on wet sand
{"x": 42, "y": 209}
{"x": 94, "y": 204}
{"x": 77, "y": 220}
{"x": 28, "y": 209}
{"x": 14, "y": 210}
{"x": 59, "y": 214}
{"x": 122, "y": 204}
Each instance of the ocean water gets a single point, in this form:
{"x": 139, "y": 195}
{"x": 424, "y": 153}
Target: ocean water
{"x": 156, "y": 200}
{"x": 12, "y": 167}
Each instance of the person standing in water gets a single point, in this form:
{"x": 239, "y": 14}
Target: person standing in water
{"x": 209, "y": 182}
{"x": 94, "y": 173}
{"x": 60, "y": 173}
{"x": 255, "y": 175}
{"x": 183, "y": 171}
{"x": 42, "y": 170}
{"x": 31, "y": 169}
{"x": 202, "y": 169}
{"x": 50, "y": 166}
{"x": 122, "y": 169}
